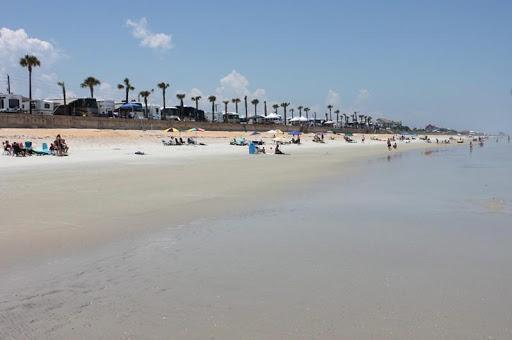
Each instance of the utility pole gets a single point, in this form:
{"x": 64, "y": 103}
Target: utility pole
{"x": 246, "y": 113}
{"x": 8, "y": 84}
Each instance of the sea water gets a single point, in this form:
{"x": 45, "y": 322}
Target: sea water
{"x": 413, "y": 245}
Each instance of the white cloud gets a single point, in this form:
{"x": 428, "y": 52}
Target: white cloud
{"x": 194, "y": 93}
{"x": 14, "y": 44}
{"x": 141, "y": 31}
{"x": 103, "y": 91}
{"x": 361, "y": 98}
{"x": 236, "y": 85}
{"x": 333, "y": 98}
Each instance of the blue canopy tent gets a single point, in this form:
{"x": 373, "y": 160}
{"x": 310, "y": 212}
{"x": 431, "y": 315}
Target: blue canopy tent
{"x": 131, "y": 107}
{"x": 295, "y": 133}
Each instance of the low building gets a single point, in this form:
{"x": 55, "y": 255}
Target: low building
{"x": 272, "y": 118}
{"x": 231, "y": 117}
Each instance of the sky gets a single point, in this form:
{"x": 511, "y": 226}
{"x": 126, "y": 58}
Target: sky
{"x": 448, "y": 63}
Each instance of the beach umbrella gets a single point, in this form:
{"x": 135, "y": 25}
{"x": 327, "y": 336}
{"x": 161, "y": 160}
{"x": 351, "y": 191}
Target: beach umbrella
{"x": 295, "y": 133}
{"x": 192, "y": 130}
{"x": 171, "y": 130}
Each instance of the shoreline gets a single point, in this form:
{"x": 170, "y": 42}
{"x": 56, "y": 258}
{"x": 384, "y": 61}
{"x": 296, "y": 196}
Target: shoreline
{"x": 56, "y": 206}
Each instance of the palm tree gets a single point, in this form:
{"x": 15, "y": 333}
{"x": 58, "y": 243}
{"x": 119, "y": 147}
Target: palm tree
{"x": 163, "y": 86}
{"x": 90, "y": 82}
{"x": 145, "y": 95}
{"x": 255, "y": 102}
{"x": 300, "y": 110}
{"x": 181, "y": 97}
{"x": 275, "y": 107}
{"x": 61, "y": 84}
{"x": 236, "y": 101}
{"x": 226, "y": 102}
{"x": 291, "y": 111}
{"x": 30, "y": 61}
{"x": 212, "y": 100}
{"x": 337, "y": 112}
{"x": 127, "y": 87}
{"x": 330, "y": 111}
{"x": 307, "y": 109}
{"x": 265, "y": 107}
{"x": 196, "y": 99}
{"x": 285, "y": 106}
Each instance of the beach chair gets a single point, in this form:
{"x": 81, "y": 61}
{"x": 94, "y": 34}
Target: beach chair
{"x": 239, "y": 141}
{"x": 252, "y": 149}
{"x": 28, "y": 145}
{"x": 43, "y": 152}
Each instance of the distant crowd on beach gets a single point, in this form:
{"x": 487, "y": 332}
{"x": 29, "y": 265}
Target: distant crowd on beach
{"x": 24, "y": 149}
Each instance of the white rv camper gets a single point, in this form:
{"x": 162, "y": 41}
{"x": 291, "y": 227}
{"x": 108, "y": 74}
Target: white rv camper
{"x": 106, "y": 107}
{"x": 11, "y": 102}
{"x": 41, "y": 106}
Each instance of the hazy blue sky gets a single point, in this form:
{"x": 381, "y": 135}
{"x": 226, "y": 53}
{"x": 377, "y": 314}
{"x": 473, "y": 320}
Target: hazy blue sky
{"x": 442, "y": 62}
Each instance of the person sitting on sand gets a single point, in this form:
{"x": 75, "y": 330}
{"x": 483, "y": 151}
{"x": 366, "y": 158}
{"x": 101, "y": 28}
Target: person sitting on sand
{"x": 17, "y": 150}
{"x": 278, "y": 151}
{"x": 7, "y": 147}
{"x": 394, "y": 146}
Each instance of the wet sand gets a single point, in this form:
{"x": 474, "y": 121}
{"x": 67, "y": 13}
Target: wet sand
{"x": 213, "y": 243}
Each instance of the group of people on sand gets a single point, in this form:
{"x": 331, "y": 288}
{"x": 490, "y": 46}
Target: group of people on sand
{"x": 180, "y": 141}
{"x": 16, "y": 149}
{"x": 394, "y": 146}
{"x": 21, "y": 149}
{"x": 59, "y": 146}
{"x": 262, "y": 150}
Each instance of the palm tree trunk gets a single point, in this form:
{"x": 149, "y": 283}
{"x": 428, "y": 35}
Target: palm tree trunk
{"x": 146, "y": 105}
{"x": 30, "y": 89}
{"x": 127, "y": 91}
{"x": 91, "y": 88}
{"x": 181, "y": 109}
{"x": 64, "y": 94}
{"x": 163, "y": 97}
{"x": 213, "y": 112}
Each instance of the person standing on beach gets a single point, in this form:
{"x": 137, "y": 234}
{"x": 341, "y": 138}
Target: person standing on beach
{"x": 389, "y": 144}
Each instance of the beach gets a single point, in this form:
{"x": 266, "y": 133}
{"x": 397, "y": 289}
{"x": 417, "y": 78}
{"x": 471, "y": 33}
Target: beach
{"x": 103, "y": 191}
{"x": 332, "y": 241}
